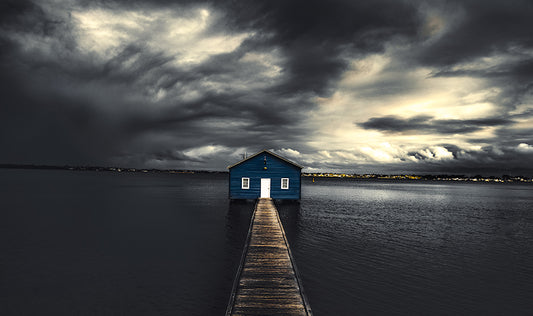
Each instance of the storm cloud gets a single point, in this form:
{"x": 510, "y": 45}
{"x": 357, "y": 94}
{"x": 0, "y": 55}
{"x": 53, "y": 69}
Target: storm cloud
{"x": 427, "y": 125}
{"x": 431, "y": 85}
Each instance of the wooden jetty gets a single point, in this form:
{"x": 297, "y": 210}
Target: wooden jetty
{"x": 267, "y": 282}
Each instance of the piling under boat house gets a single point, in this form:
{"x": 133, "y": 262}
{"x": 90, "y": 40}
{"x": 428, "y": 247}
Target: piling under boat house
{"x": 265, "y": 175}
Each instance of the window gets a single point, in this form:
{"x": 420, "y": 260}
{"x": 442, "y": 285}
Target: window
{"x": 285, "y": 183}
{"x": 245, "y": 183}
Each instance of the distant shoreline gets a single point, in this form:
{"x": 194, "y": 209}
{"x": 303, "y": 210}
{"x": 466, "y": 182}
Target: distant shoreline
{"x": 104, "y": 169}
{"x": 315, "y": 175}
{"x": 412, "y": 177}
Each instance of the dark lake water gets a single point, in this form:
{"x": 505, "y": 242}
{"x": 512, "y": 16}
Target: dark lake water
{"x": 98, "y": 243}
{"x": 415, "y": 248}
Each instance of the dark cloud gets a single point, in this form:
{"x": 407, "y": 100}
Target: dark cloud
{"x": 478, "y": 29}
{"x": 138, "y": 105}
{"x": 484, "y": 39}
{"x": 100, "y": 105}
{"x": 317, "y": 36}
{"x": 46, "y": 128}
{"x": 427, "y": 125}
{"x": 514, "y": 136}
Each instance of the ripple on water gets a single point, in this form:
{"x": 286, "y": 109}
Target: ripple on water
{"x": 414, "y": 248}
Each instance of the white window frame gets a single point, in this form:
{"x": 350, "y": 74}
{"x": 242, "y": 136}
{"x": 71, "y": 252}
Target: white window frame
{"x": 287, "y": 186}
{"x": 247, "y": 186}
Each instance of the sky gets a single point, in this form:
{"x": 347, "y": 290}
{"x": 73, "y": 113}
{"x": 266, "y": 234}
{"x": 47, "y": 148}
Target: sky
{"x": 345, "y": 86}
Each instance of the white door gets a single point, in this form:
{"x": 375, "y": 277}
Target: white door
{"x": 265, "y": 188}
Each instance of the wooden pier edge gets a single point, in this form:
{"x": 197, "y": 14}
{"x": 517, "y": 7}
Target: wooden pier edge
{"x": 231, "y": 303}
{"x": 298, "y": 278}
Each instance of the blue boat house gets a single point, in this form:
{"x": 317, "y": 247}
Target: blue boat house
{"x": 265, "y": 175}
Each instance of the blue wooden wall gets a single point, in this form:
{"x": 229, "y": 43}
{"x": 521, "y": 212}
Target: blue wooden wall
{"x": 253, "y": 168}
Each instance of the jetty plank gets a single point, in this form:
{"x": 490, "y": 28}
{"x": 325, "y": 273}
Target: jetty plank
{"x": 267, "y": 282}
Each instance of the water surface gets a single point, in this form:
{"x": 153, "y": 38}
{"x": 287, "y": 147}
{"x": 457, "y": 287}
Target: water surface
{"x": 414, "y": 248}
{"x": 102, "y": 243}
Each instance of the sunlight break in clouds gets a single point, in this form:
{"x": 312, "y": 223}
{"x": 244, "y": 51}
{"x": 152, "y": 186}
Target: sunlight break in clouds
{"x": 205, "y": 151}
{"x": 379, "y": 86}
{"x": 288, "y": 153}
{"x": 526, "y": 148}
{"x": 184, "y": 34}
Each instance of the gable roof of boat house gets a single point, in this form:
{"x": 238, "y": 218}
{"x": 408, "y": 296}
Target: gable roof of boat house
{"x": 265, "y": 174}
